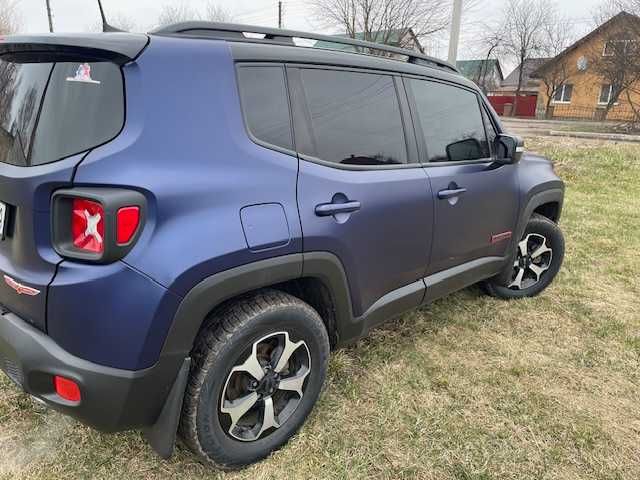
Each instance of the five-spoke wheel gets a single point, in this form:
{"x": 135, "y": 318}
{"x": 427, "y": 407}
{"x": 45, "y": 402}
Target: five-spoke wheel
{"x": 532, "y": 260}
{"x": 536, "y": 261}
{"x": 262, "y": 392}
{"x": 257, "y": 370}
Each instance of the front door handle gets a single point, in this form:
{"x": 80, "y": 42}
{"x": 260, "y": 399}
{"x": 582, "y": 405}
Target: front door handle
{"x": 456, "y": 192}
{"x": 328, "y": 209}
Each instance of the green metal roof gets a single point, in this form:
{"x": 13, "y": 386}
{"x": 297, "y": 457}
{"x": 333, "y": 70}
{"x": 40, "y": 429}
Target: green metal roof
{"x": 471, "y": 68}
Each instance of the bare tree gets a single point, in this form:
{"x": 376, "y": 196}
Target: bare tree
{"x": 177, "y": 12}
{"x": 215, "y": 13}
{"x": 381, "y": 20}
{"x": 556, "y": 37}
{"x": 617, "y": 61}
{"x": 523, "y": 25}
{"x": 9, "y": 18}
{"x": 183, "y": 12}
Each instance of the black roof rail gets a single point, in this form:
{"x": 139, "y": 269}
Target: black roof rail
{"x": 236, "y": 32}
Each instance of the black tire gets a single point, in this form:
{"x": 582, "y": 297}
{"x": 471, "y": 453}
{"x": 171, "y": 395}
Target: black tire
{"x": 226, "y": 340}
{"x": 540, "y": 227}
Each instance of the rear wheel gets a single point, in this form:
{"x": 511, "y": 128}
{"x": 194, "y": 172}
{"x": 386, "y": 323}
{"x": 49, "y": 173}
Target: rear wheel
{"x": 538, "y": 259}
{"x": 258, "y": 368}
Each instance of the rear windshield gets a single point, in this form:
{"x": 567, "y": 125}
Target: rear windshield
{"x": 49, "y": 111}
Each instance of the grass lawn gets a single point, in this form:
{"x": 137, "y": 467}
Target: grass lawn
{"x": 467, "y": 388}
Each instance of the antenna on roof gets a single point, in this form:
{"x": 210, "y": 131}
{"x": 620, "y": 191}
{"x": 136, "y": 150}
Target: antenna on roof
{"x": 105, "y": 25}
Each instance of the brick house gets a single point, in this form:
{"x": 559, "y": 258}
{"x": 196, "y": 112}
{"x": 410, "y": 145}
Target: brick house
{"x": 578, "y": 83}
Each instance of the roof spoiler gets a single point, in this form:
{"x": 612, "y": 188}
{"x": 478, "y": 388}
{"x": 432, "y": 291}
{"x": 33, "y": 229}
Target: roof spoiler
{"x": 119, "y": 48}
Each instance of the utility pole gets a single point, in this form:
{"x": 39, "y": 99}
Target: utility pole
{"x": 455, "y": 31}
{"x": 50, "y": 15}
{"x": 279, "y": 14}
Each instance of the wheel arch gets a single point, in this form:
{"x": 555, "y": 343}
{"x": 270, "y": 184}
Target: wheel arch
{"x": 317, "y": 278}
{"x": 546, "y": 202}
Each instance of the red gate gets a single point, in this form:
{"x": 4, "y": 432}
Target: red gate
{"x": 526, "y": 106}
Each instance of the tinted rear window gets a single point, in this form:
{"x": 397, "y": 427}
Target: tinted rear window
{"x": 51, "y": 111}
{"x": 265, "y": 104}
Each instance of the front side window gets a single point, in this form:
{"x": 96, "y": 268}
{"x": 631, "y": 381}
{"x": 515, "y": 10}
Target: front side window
{"x": 355, "y": 117}
{"x": 451, "y": 122}
{"x": 263, "y": 94}
{"x": 563, "y": 94}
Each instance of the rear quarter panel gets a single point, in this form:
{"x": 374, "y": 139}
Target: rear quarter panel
{"x": 186, "y": 149}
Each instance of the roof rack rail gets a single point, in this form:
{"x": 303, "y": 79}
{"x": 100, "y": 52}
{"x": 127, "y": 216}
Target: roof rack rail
{"x": 237, "y": 32}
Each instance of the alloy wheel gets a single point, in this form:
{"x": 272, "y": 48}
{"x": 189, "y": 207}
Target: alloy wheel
{"x": 262, "y": 392}
{"x": 533, "y": 259}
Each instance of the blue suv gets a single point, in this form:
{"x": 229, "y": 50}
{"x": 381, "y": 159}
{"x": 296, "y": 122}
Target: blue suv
{"x": 191, "y": 220}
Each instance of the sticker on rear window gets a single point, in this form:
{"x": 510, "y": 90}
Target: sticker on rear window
{"x": 83, "y": 75}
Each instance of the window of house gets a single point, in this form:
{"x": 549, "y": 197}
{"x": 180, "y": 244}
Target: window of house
{"x": 606, "y": 91}
{"x": 265, "y": 104}
{"x": 451, "y": 122}
{"x": 618, "y": 47}
{"x": 355, "y": 117}
{"x": 563, "y": 94}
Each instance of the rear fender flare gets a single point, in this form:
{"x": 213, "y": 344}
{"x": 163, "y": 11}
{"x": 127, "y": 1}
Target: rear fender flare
{"x": 216, "y": 289}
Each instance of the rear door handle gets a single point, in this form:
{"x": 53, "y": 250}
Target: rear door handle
{"x": 456, "y": 192}
{"x": 328, "y": 209}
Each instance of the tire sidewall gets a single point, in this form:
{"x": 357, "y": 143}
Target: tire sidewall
{"x": 301, "y": 325}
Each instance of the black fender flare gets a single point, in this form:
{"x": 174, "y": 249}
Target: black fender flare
{"x": 552, "y": 195}
{"x": 216, "y": 289}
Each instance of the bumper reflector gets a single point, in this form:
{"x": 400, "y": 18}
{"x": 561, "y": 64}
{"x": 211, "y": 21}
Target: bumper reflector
{"x": 67, "y": 389}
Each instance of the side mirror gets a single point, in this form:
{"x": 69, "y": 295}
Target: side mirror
{"x": 509, "y": 149}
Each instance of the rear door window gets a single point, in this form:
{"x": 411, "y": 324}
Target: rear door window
{"x": 265, "y": 104}
{"x": 355, "y": 117}
{"x": 50, "y": 111}
{"x": 451, "y": 122}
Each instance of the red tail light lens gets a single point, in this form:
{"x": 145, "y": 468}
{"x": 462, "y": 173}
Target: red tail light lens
{"x": 67, "y": 389}
{"x": 87, "y": 225}
{"x": 128, "y": 219}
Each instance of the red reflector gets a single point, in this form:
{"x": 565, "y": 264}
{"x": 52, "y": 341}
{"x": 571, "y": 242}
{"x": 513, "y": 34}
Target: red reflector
{"x": 87, "y": 225}
{"x": 67, "y": 389}
{"x": 128, "y": 219}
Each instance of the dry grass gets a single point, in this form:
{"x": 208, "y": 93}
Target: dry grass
{"x": 467, "y": 388}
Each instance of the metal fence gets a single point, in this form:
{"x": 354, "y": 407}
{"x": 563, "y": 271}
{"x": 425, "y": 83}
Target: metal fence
{"x": 575, "y": 112}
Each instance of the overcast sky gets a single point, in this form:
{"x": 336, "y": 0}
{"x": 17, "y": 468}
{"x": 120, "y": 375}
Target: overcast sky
{"x": 79, "y": 15}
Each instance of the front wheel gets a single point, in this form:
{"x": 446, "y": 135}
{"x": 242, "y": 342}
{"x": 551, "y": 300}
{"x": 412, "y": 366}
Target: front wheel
{"x": 258, "y": 369}
{"x": 538, "y": 259}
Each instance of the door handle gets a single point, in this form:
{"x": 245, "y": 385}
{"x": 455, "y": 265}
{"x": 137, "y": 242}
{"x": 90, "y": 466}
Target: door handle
{"x": 456, "y": 192}
{"x": 328, "y": 209}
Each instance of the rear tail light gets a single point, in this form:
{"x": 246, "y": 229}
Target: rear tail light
{"x": 87, "y": 225}
{"x": 96, "y": 224}
{"x": 66, "y": 388}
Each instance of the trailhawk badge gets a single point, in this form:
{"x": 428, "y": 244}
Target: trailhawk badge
{"x": 83, "y": 75}
{"x": 21, "y": 289}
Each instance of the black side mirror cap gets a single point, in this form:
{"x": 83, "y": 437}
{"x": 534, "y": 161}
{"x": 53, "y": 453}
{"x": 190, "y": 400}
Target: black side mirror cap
{"x": 509, "y": 149}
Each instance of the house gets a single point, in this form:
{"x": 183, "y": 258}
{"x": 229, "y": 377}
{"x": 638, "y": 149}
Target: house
{"x": 591, "y": 78}
{"x": 503, "y": 97}
{"x": 486, "y": 73}
{"x": 402, "y": 38}
{"x": 530, "y": 85}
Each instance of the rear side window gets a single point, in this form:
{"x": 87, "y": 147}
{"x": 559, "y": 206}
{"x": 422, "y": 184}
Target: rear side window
{"x": 263, "y": 94}
{"x": 50, "y": 111}
{"x": 355, "y": 117}
{"x": 451, "y": 122}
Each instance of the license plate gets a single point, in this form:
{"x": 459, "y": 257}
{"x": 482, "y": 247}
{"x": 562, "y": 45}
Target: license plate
{"x": 3, "y": 219}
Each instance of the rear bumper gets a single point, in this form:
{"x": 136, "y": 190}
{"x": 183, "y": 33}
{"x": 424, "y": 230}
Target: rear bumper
{"x": 111, "y": 399}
